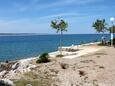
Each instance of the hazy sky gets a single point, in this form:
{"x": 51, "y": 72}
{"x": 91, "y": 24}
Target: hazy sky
{"x": 34, "y": 16}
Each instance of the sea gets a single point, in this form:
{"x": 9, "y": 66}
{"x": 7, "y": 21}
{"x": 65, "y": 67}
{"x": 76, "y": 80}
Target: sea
{"x": 21, "y": 46}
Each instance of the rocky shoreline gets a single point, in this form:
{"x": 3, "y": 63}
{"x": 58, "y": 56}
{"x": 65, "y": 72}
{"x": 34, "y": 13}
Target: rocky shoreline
{"x": 81, "y": 71}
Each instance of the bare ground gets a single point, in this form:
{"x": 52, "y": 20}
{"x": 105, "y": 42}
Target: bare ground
{"x": 96, "y": 69}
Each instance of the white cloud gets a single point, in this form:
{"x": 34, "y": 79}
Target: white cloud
{"x": 65, "y": 3}
{"x": 35, "y": 5}
{"x": 60, "y": 15}
{"x": 25, "y": 26}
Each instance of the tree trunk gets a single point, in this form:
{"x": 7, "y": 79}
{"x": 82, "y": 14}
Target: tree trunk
{"x": 61, "y": 33}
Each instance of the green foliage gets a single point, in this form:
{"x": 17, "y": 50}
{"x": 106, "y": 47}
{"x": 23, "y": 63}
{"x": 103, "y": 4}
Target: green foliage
{"x": 112, "y": 29}
{"x": 27, "y": 82}
{"x": 59, "y": 55}
{"x": 44, "y": 58}
{"x": 100, "y": 25}
{"x": 59, "y": 25}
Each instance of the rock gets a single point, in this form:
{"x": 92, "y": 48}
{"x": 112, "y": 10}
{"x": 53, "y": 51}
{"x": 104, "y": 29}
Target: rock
{"x": 101, "y": 67}
{"x": 7, "y": 61}
{"x": 6, "y": 66}
{"x": 23, "y": 66}
{"x": 6, "y": 82}
{"x": 2, "y": 73}
{"x": 15, "y": 66}
{"x": 28, "y": 85}
{"x": 2, "y": 67}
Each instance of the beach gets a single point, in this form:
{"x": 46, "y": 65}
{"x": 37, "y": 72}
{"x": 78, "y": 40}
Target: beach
{"x": 93, "y": 68}
{"x": 57, "y": 43}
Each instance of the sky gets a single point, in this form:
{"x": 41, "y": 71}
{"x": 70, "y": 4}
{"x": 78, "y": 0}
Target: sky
{"x": 34, "y": 16}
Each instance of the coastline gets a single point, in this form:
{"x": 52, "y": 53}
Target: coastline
{"x": 18, "y": 69}
{"x": 15, "y": 48}
{"x": 81, "y": 50}
{"x": 55, "y": 52}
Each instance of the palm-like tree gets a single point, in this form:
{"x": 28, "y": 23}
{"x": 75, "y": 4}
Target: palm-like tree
{"x": 60, "y": 26}
{"x": 100, "y": 26}
{"x": 111, "y": 29}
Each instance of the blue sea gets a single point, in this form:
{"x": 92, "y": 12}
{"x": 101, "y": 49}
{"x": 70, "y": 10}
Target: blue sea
{"x": 25, "y": 46}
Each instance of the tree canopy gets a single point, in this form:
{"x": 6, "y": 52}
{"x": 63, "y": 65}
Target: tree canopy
{"x": 112, "y": 29}
{"x": 59, "y": 25}
{"x": 100, "y": 25}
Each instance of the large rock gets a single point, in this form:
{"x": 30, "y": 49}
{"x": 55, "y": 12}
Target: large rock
{"x": 23, "y": 65}
{"x": 6, "y": 82}
{"x": 2, "y": 66}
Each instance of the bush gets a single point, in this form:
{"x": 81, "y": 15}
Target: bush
{"x": 59, "y": 55}
{"x": 44, "y": 58}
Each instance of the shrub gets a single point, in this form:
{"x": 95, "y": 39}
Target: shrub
{"x": 59, "y": 55}
{"x": 44, "y": 58}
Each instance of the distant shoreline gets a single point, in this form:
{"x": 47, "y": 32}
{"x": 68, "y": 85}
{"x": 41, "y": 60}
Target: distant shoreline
{"x": 32, "y": 34}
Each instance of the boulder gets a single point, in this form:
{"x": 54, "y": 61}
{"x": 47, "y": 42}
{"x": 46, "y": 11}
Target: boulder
{"x": 6, "y": 82}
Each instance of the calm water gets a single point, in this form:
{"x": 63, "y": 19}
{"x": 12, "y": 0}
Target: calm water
{"x": 18, "y": 47}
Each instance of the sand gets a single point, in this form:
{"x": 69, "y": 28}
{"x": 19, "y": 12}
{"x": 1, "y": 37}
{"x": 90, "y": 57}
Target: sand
{"x": 80, "y": 50}
{"x": 98, "y": 68}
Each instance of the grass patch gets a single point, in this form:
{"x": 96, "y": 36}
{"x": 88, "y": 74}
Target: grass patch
{"x": 31, "y": 75}
{"x": 27, "y": 82}
{"x": 59, "y": 55}
{"x": 100, "y": 53}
